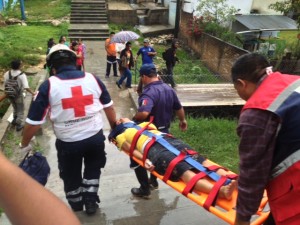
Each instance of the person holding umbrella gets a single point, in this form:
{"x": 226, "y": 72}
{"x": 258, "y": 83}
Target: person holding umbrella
{"x": 126, "y": 64}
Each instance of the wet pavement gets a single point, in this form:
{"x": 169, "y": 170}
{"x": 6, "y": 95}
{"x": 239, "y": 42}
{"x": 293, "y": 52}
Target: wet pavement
{"x": 118, "y": 206}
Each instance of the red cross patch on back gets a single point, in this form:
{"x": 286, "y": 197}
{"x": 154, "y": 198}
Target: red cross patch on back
{"x": 78, "y": 101}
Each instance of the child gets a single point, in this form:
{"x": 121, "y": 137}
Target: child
{"x": 17, "y": 102}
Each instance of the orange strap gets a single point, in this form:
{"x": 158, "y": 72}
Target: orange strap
{"x": 212, "y": 196}
{"x": 172, "y": 165}
{"x": 191, "y": 184}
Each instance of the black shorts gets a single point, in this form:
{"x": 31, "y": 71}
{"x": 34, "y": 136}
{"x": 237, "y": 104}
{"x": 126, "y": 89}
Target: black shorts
{"x": 161, "y": 158}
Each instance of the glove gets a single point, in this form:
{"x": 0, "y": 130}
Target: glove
{"x": 25, "y": 149}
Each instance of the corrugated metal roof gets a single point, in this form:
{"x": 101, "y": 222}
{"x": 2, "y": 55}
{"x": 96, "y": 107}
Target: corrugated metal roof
{"x": 267, "y": 22}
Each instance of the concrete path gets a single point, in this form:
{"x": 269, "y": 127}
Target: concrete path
{"x": 118, "y": 206}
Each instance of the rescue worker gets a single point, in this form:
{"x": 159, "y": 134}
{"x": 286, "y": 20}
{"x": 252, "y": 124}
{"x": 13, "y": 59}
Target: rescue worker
{"x": 159, "y": 100}
{"x": 74, "y": 101}
{"x": 269, "y": 140}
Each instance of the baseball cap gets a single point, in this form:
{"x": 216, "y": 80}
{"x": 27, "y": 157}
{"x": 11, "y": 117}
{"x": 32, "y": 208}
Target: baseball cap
{"x": 147, "y": 69}
{"x": 146, "y": 40}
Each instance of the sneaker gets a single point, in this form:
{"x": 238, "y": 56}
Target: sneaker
{"x": 119, "y": 86}
{"x": 138, "y": 192}
{"x": 106, "y": 76}
{"x": 128, "y": 87}
{"x": 19, "y": 127}
{"x": 115, "y": 75}
{"x": 153, "y": 183}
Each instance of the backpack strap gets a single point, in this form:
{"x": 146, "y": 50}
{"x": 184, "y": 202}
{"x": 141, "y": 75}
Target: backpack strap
{"x": 16, "y": 77}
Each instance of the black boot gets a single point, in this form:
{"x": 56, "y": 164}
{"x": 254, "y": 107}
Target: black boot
{"x": 153, "y": 182}
{"x": 142, "y": 176}
{"x": 139, "y": 192}
{"x": 90, "y": 203}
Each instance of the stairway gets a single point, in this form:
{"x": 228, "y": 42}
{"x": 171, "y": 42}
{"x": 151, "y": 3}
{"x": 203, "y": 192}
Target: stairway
{"x": 88, "y": 20}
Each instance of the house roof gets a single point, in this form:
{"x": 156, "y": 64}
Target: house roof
{"x": 267, "y": 22}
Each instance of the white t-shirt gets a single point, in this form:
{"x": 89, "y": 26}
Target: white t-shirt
{"x": 119, "y": 48}
{"x": 22, "y": 79}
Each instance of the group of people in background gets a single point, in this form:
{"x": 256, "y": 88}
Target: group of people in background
{"x": 120, "y": 55}
{"x": 76, "y": 45}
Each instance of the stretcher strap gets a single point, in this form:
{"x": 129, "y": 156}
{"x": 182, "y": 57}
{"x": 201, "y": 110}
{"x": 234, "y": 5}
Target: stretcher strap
{"x": 172, "y": 165}
{"x": 216, "y": 167}
{"x": 191, "y": 184}
{"x": 213, "y": 175}
{"x": 212, "y": 196}
{"x": 146, "y": 149}
{"x": 137, "y": 135}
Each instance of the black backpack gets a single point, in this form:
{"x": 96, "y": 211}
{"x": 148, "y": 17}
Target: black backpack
{"x": 11, "y": 88}
{"x": 36, "y": 166}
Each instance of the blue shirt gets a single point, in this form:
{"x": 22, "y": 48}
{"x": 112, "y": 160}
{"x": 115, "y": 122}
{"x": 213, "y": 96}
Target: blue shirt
{"x": 144, "y": 52}
{"x": 160, "y": 100}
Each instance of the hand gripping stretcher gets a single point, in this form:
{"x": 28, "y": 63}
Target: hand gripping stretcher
{"x": 222, "y": 208}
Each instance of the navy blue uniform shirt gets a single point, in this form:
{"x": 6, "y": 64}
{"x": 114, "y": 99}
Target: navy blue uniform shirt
{"x": 160, "y": 100}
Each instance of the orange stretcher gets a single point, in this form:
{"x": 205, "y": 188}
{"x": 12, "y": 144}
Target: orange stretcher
{"x": 224, "y": 209}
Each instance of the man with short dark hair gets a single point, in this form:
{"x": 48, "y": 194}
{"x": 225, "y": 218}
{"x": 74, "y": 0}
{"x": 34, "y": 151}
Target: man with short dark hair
{"x": 74, "y": 101}
{"x": 17, "y": 101}
{"x": 147, "y": 53}
{"x": 158, "y": 100}
{"x": 111, "y": 55}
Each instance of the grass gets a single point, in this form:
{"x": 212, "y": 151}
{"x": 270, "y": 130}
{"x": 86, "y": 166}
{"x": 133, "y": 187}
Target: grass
{"x": 289, "y": 36}
{"x": 25, "y": 43}
{"x": 36, "y": 10}
{"x": 214, "y": 138}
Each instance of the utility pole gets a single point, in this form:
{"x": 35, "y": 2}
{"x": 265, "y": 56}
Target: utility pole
{"x": 22, "y": 5}
{"x": 177, "y": 18}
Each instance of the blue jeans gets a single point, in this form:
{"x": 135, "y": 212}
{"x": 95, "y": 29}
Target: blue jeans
{"x": 126, "y": 74}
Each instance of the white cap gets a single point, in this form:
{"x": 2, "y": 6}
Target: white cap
{"x": 59, "y": 47}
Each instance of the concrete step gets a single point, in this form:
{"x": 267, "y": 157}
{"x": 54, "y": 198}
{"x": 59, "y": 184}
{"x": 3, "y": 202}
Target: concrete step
{"x": 102, "y": 21}
{"x": 88, "y": 6}
{"x": 89, "y": 17}
{"x": 93, "y": 15}
{"x": 89, "y": 14}
{"x": 94, "y": 38}
{"x": 92, "y": 11}
{"x": 88, "y": 33}
{"x": 88, "y": 1}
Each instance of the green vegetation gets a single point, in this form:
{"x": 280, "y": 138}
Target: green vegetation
{"x": 214, "y": 138}
{"x": 25, "y": 43}
{"x": 39, "y": 10}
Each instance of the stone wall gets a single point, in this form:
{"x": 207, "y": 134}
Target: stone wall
{"x": 122, "y": 17}
{"x": 158, "y": 16}
{"x": 216, "y": 54}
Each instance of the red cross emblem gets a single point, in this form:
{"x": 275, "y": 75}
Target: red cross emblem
{"x": 78, "y": 101}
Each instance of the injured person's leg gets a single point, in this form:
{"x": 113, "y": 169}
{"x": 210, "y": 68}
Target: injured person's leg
{"x": 205, "y": 186}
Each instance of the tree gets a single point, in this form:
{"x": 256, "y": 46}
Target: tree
{"x": 286, "y": 7}
{"x": 218, "y": 10}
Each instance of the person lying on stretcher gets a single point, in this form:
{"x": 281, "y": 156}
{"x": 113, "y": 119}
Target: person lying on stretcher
{"x": 159, "y": 157}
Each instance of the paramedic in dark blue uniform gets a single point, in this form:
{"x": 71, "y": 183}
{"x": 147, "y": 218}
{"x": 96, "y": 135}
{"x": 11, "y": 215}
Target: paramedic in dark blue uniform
{"x": 160, "y": 101}
{"x": 73, "y": 101}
